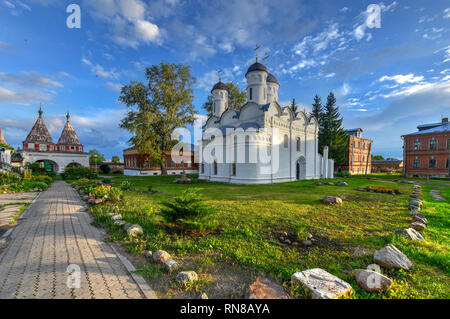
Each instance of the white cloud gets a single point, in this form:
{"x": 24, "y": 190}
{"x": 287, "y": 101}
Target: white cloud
{"x": 114, "y": 86}
{"x": 447, "y": 13}
{"x": 99, "y": 70}
{"x": 402, "y": 79}
{"x": 127, "y": 19}
{"x": 23, "y": 96}
{"x": 29, "y": 79}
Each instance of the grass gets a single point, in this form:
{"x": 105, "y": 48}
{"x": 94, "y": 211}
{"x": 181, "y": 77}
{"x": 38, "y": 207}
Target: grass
{"x": 252, "y": 218}
{"x": 16, "y": 215}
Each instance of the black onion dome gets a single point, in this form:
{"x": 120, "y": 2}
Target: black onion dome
{"x": 220, "y": 86}
{"x": 271, "y": 78}
{"x": 256, "y": 67}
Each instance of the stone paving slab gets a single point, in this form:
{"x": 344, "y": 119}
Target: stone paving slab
{"x": 7, "y": 213}
{"x": 18, "y": 198}
{"x": 56, "y": 233}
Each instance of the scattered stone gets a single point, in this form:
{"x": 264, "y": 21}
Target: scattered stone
{"x": 119, "y": 223}
{"x": 361, "y": 189}
{"x": 116, "y": 217}
{"x": 342, "y": 184}
{"x": 263, "y": 288}
{"x": 375, "y": 267}
{"x": 294, "y": 243}
{"x": 171, "y": 265}
{"x": 135, "y": 230}
{"x": 414, "y": 213}
{"x": 186, "y": 277}
{"x": 372, "y": 281}
{"x": 417, "y": 226}
{"x": 161, "y": 256}
{"x": 287, "y": 241}
{"x": 127, "y": 225}
{"x": 416, "y": 202}
{"x": 390, "y": 257}
{"x": 410, "y": 233}
{"x": 436, "y": 195}
{"x": 202, "y": 296}
{"x": 98, "y": 201}
{"x": 306, "y": 243}
{"x": 321, "y": 284}
{"x": 332, "y": 200}
{"x": 148, "y": 254}
{"x": 419, "y": 219}
{"x": 413, "y": 207}
{"x": 320, "y": 183}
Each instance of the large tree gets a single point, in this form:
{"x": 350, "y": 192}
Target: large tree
{"x": 157, "y": 108}
{"x": 115, "y": 159}
{"x": 318, "y": 113}
{"x": 236, "y": 98}
{"x": 334, "y": 135}
{"x": 95, "y": 157}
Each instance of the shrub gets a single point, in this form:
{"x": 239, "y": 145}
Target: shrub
{"x": 342, "y": 174}
{"x": 125, "y": 185}
{"x": 189, "y": 204}
{"x": 105, "y": 168}
{"x": 107, "y": 193}
{"x": 79, "y": 172}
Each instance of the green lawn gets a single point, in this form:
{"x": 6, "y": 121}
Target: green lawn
{"x": 251, "y": 219}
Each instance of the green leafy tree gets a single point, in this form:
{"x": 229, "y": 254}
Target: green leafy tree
{"x": 157, "y": 108}
{"x": 236, "y": 98}
{"x": 95, "y": 157}
{"x": 334, "y": 135}
{"x": 377, "y": 158}
{"x": 115, "y": 159}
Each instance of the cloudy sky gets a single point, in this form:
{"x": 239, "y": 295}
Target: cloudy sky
{"x": 387, "y": 80}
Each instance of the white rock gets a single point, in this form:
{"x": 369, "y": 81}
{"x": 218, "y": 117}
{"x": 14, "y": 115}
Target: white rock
{"x": 332, "y": 200}
{"x": 417, "y": 226}
{"x": 372, "y": 281}
{"x": 410, "y": 233}
{"x": 390, "y": 257}
{"x": 135, "y": 230}
{"x": 321, "y": 284}
{"x": 375, "y": 267}
{"x": 186, "y": 277}
{"x": 161, "y": 256}
{"x": 119, "y": 223}
{"x": 171, "y": 265}
{"x": 116, "y": 217}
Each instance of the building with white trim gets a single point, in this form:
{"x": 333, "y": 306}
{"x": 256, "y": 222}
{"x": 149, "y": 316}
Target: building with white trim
{"x": 262, "y": 142}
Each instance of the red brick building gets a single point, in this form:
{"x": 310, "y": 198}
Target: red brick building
{"x": 426, "y": 153}
{"x": 359, "y": 156}
{"x": 384, "y": 166}
{"x": 138, "y": 165}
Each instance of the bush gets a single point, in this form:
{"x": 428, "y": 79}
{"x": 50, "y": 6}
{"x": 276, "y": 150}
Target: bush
{"x": 105, "y": 168}
{"x": 107, "y": 193}
{"x": 342, "y": 174}
{"x": 125, "y": 185}
{"x": 188, "y": 204}
{"x": 79, "y": 172}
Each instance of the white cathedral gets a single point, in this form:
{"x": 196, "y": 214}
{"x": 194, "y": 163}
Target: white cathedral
{"x": 262, "y": 142}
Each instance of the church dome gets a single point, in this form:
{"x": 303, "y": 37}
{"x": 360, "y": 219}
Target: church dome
{"x": 256, "y": 67}
{"x": 68, "y": 135}
{"x": 271, "y": 78}
{"x": 39, "y": 133}
{"x": 220, "y": 86}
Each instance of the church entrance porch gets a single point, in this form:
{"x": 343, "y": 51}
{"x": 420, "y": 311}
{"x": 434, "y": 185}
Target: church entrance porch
{"x": 301, "y": 169}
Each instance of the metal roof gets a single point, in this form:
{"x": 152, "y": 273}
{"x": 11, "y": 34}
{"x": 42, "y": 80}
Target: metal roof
{"x": 256, "y": 67}
{"x": 443, "y": 127}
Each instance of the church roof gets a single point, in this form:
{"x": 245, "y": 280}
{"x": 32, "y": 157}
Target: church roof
{"x": 39, "y": 133}
{"x": 220, "y": 86}
{"x": 2, "y": 139}
{"x": 272, "y": 78}
{"x": 256, "y": 67}
{"x": 68, "y": 135}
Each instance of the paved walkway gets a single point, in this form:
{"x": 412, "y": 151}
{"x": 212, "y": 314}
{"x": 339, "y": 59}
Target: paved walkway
{"x": 7, "y": 214}
{"x": 54, "y": 233}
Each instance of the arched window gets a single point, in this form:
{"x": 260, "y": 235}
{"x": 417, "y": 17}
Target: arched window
{"x": 286, "y": 141}
{"x": 298, "y": 144}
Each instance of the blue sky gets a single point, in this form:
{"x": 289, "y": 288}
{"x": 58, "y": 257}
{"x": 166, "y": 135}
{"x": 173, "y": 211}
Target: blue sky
{"x": 387, "y": 80}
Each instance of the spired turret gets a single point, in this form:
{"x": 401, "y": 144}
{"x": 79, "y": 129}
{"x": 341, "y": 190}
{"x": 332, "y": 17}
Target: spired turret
{"x": 69, "y": 142}
{"x": 39, "y": 138}
{"x": 257, "y": 83}
{"x": 220, "y": 98}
